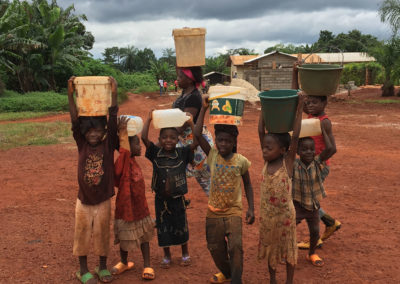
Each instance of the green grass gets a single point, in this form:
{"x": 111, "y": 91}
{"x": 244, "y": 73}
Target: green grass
{"x": 23, "y": 115}
{"x": 388, "y": 101}
{"x": 23, "y": 134}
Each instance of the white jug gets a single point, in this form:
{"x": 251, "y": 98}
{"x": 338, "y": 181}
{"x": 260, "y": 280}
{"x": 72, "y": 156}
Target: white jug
{"x": 310, "y": 127}
{"x": 135, "y": 125}
{"x": 164, "y": 118}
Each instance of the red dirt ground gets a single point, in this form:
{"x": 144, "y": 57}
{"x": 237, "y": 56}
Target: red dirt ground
{"x": 39, "y": 189}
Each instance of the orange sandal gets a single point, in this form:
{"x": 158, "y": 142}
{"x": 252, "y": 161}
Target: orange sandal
{"x": 148, "y": 273}
{"x": 120, "y": 267}
{"x": 315, "y": 260}
{"x": 219, "y": 278}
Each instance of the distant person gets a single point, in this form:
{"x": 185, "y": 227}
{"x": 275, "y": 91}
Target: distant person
{"x": 224, "y": 214}
{"x": 165, "y": 86}
{"x": 277, "y": 214}
{"x": 96, "y": 139}
{"x": 170, "y": 186}
{"x": 133, "y": 225}
{"x": 314, "y": 107}
{"x": 161, "y": 84}
{"x": 176, "y": 85}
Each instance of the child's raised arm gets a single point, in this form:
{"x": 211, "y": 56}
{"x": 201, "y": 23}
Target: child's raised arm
{"x": 114, "y": 92}
{"x": 72, "y": 106}
{"x": 329, "y": 139}
{"x": 191, "y": 125}
{"x": 261, "y": 129}
{"x": 198, "y": 129}
{"x": 123, "y": 133}
{"x": 330, "y": 148}
{"x": 145, "y": 132}
{"x": 295, "y": 75}
{"x": 248, "y": 189}
{"x": 291, "y": 155}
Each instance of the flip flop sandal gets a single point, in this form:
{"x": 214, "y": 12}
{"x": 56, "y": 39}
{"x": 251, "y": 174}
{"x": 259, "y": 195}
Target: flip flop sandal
{"x": 166, "y": 263}
{"x": 148, "y": 273}
{"x": 315, "y": 260}
{"x": 104, "y": 275}
{"x": 85, "y": 277}
{"x": 120, "y": 267}
{"x": 219, "y": 278}
{"x": 186, "y": 261}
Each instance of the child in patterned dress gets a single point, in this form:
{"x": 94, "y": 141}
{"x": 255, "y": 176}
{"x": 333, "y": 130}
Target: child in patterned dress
{"x": 277, "y": 213}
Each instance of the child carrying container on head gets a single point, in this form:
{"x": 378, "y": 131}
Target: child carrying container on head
{"x": 277, "y": 213}
{"x": 309, "y": 173}
{"x": 133, "y": 225}
{"x": 170, "y": 186}
{"x": 96, "y": 144}
{"x": 314, "y": 107}
{"x": 224, "y": 215}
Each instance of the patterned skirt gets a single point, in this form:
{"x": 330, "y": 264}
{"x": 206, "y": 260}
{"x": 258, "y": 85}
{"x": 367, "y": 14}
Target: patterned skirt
{"x": 131, "y": 235}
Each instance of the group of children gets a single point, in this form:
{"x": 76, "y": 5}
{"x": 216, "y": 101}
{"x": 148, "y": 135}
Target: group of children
{"x": 291, "y": 190}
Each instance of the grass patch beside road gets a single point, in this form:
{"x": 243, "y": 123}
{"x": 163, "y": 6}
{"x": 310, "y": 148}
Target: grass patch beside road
{"x": 5, "y": 116}
{"x": 388, "y": 101}
{"x": 23, "y": 134}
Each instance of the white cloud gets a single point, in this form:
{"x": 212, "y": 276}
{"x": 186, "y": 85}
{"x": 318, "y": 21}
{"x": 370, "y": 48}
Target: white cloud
{"x": 255, "y": 33}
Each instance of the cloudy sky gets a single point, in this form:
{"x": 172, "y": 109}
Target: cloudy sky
{"x": 254, "y": 24}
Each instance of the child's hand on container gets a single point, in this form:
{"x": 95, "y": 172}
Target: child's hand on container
{"x": 206, "y": 101}
{"x": 122, "y": 122}
{"x": 190, "y": 120}
{"x": 71, "y": 86}
{"x": 114, "y": 85}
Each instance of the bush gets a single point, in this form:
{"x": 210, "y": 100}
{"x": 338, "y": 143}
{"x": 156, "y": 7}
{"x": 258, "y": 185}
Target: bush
{"x": 33, "y": 101}
{"x": 357, "y": 71}
{"x": 1, "y": 87}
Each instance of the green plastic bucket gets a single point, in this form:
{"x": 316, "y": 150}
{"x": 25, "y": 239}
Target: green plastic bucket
{"x": 227, "y": 109}
{"x": 319, "y": 79}
{"x": 279, "y": 109}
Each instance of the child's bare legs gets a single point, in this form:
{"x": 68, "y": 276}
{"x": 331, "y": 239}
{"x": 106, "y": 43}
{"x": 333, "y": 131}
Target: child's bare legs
{"x": 124, "y": 256}
{"x": 185, "y": 250}
{"x": 272, "y": 275}
{"x": 289, "y": 273}
{"x": 145, "y": 248}
{"x": 313, "y": 227}
{"x": 83, "y": 264}
{"x": 167, "y": 253}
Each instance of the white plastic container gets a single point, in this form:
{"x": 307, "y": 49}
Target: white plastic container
{"x": 310, "y": 127}
{"x": 93, "y": 95}
{"x": 173, "y": 117}
{"x": 135, "y": 125}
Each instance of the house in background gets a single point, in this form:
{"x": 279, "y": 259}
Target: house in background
{"x": 217, "y": 77}
{"x": 236, "y": 62}
{"x": 270, "y": 71}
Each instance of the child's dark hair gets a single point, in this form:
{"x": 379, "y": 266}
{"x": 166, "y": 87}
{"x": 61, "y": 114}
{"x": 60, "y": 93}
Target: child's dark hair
{"x": 322, "y": 98}
{"x": 88, "y": 122}
{"x": 283, "y": 139}
{"x": 230, "y": 129}
{"x": 168, "y": 128}
{"x": 303, "y": 139}
{"x": 197, "y": 73}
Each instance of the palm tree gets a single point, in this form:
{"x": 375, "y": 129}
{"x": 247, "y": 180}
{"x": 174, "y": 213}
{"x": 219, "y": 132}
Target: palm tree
{"x": 389, "y": 11}
{"x": 129, "y": 58}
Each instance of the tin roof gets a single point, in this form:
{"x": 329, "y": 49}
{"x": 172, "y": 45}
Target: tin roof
{"x": 240, "y": 59}
{"x": 268, "y": 54}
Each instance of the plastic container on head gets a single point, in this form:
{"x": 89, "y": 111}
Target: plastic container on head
{"x": 164, "y": 118}
{"x": 279, "y": 109}
{"x": 319, "y": 79}
{"x": 93, "y": 95}
{"x": 226, "y": 105}
{"x": 135, "y": 125}
{"x": 190, "y": 46}
{"x": 310, "y": 127}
